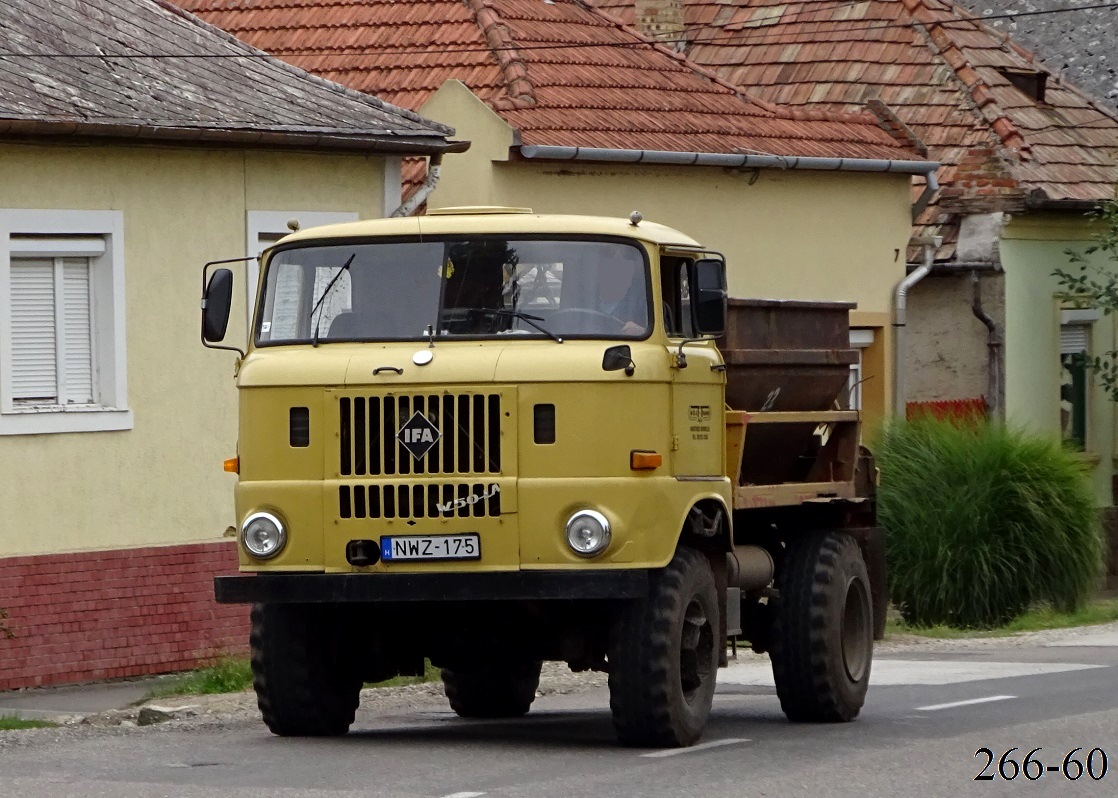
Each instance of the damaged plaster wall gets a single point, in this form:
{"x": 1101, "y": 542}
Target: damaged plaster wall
{"x": 947, "y": 352}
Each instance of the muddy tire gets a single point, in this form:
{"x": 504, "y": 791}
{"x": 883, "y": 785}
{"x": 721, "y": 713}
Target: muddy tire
{"x": 822, "y": 642}
{"x": 663, "y": 657}
{"x": 306, "y": 683}
{"x": 497, "y": 690}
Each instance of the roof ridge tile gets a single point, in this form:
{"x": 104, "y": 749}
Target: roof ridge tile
{"x": 521, "y": 91}
{"x": 939, "y": 37}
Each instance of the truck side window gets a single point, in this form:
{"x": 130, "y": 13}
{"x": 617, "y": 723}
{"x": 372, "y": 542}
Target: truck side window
{"x": 676, "y": 294}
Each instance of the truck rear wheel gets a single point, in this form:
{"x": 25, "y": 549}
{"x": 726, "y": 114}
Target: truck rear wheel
{"x": 306, "y": 681}
{"x": 663, "y": 657}
{"x": 822, "y": 643}
{"x": 493, "y": 690}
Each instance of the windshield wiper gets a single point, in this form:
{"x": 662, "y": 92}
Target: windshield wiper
{"x": 516, "y": 314}
{"x": 326, "y": 293}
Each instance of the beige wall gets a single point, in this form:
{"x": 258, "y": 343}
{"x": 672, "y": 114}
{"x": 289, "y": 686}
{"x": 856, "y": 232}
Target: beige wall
{"x": 947, "y": 352}
{"x": 786, "y": 234}
{"x": 160, "y": 482}
{"x": 1031, "y": 248}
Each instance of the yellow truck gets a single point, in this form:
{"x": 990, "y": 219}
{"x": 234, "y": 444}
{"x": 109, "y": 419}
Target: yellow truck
{"x": 492, "y": 438}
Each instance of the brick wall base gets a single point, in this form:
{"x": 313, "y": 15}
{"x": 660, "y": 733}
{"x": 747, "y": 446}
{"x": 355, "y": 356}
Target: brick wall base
{"x": 112, "y": 614}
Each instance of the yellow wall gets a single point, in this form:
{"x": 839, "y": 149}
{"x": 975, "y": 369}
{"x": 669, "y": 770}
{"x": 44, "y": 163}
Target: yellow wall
{"x": 161, "y": 482}
{"x": 1031, "y": 248}
{"x": 786, "y": 234}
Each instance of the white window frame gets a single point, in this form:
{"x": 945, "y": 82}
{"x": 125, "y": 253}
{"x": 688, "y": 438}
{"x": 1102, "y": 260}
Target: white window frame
{"x": 39, "y": 232}
{"x": 860, "y": 339}
{"x": 260, "y": 225}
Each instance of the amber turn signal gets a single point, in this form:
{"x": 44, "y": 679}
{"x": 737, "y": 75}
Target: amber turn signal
{"x": 644, "y": 461}
{"x": 232, "y": 465}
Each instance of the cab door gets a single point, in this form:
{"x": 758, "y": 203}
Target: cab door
{"x": 698, "y": 386}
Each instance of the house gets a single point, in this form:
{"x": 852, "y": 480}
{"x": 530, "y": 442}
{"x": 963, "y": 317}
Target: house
{"x": 1077, "y": 39}
{"x": 137, "y": 143}
{"x": 1025, "y": 156}
{"x": 570, "y": 111}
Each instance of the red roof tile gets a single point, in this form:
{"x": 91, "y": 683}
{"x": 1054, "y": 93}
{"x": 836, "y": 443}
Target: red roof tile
{"x": 936, "y": 66}
{"x": 559, "y": 72}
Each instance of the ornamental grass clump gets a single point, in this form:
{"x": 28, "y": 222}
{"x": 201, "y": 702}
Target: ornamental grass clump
{"x": 983, "y": 522}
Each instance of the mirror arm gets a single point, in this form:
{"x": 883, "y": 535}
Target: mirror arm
{"x": 680, "y": 358}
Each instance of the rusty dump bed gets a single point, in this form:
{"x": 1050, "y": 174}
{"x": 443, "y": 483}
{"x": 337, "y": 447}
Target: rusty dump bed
{"x": 790, "y": 437}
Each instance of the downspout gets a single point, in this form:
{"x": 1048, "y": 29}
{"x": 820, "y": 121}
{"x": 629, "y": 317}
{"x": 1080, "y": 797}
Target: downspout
{"x": 994, "y": 347}
{"x": 900, "y": 315}
{"x": 434, "y": 171}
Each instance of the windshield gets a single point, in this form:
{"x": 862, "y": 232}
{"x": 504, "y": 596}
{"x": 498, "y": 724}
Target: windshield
{"x": 461, "y": 287}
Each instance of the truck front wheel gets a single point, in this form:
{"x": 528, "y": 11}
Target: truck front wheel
{"x": 822, "y": 642}
{"x": 306, "y": 680}
{"x": 663, "y": 657}
{"x": 492, "y": 690}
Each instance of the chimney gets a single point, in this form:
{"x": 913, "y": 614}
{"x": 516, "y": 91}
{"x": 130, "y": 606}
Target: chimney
{"x": 661, "y": 20}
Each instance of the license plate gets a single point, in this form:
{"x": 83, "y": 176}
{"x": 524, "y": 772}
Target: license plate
{"x": 430, "y": 547}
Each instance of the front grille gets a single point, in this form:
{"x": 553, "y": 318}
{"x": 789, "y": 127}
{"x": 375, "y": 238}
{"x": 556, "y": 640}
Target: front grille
{"x": 469, "y": 440}
{"x": 459, "y": 500}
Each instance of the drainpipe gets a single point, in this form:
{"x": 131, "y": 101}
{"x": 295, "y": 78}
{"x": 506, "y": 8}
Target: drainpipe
{"x": 931, "y": 186}
{"x": 994, "y": 349}
{"x": 434, "y": 171}
{"x": 900, "y": 315}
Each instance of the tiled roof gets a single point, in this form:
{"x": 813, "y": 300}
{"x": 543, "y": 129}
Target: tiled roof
{"x": 558, "y": 72}
{"x": 937, "y": 67}
{"x": 116, "y": 68}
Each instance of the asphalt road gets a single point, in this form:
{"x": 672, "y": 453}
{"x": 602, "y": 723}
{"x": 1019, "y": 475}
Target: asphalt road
{"x": 926, "y": 717}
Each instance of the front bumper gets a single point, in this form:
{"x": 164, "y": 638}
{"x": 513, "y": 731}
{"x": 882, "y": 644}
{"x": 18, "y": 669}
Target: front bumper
{"x": 477, "y": 586}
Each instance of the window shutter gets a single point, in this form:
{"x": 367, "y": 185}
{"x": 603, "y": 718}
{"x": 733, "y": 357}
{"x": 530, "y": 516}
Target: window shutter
{"x": 77, "y": 332}
{"x": 1073, "y": 338}
{"x": 34, "y": 364}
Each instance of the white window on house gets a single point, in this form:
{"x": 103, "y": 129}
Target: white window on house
{"x": 851, "y": 399}
{"x": 1075, "y": 354}
{"x": 265, "y": 228}
{"x": 62, "y": 331}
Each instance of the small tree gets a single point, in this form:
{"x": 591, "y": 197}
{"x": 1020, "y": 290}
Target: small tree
{"x": 5, "y": 630}
{"x": 1094, "y": 286}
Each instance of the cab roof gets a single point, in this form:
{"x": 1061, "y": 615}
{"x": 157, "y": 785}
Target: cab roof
{"x": 489, "y": 220}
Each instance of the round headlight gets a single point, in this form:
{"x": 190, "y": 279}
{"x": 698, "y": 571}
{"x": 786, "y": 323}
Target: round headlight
{"x": 588, "y": 533}
{"x": 263, "y": 535}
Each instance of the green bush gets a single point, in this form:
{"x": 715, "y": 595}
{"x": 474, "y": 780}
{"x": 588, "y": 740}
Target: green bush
{"x": 983, "y": 522}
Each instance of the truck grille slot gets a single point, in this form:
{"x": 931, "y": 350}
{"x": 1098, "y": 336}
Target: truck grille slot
{"x": 469, "y": 439}
{"x": 419, "y": 501}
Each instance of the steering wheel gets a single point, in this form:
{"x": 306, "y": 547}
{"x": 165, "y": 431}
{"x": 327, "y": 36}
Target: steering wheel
{"x": 596, "y": 320}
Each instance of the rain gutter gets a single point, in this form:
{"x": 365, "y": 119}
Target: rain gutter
{"x": 385, "y": 142}
{"x": 741, "y": 161}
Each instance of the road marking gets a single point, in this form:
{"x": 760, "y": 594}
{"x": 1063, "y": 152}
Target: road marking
{"x": 969, "y": 702}
{"x": 464, "y": 795}
{"x": 897, "y": 672}
{"x": 699, "y": 747}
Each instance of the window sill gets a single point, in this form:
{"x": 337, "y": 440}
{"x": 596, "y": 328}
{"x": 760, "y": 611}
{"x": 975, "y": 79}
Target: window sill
{"x": 51, "y": 420}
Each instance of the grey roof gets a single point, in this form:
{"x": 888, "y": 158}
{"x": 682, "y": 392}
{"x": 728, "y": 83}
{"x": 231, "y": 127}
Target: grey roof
{"x": 144, "y": 69}
{"x": 1079, "y": 42}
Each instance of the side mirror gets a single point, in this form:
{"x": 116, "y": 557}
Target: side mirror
{"x": 708, "y": 296}
{"x": 216, "y": 302}
{"x": 617, "y": 358}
